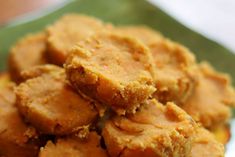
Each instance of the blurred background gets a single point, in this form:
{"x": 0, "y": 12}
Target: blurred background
{"x": 212, "y": 18}
{"x": 19, "y": 10}
{"x": 11, "y": 9}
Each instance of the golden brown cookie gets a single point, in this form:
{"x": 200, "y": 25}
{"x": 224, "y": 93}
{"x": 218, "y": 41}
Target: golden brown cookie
{"x": 74, "y": 147}
{"x": 205, "y": 145}
{"x": 210, "y": 100}
{"x": 17, "y": 139}
{"x": 154, "y": 130}
{"x": 50, "y": 104}
{"x": 114, "y": 69}
{"x": 174, "y": 70}
{"x": 66, "y": 32}
{"x": 174, "y": 63}
{"x": 37, "y": 71}
{"x": 143, "y": 33}
{"x": 27, "y": 52}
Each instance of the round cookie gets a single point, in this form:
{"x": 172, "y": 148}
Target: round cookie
{"x": 66, "y": 32}
{"x": 114, "y": 69}
{"x": 50, "y": 104}
{"x": 174, "y": 64}
{"x": 154, "y": 130}
{"x": 27, "y": 52}
{"x": 74, "y": 147}
{"x": 143, "y": 33}
{"x": 16, "y": 137}
{"x": 211, "y": 98}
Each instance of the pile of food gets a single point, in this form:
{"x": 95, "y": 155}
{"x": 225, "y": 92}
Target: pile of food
{"x": 83, "y": 87}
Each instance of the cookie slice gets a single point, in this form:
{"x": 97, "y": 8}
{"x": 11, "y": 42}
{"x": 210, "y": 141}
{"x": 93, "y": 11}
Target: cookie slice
{"x": 212, "y": 97}
{"x": 154, "y": 130}
{"x": 114, "y": 69}
{"x": 50, "y": 104}
{"x": 74, "y": 147}
{"x": 28, "y": 51}
{"x": 174, "y": 64}
{"x": 66, "y": 32}
{"x": 16, "y": 137}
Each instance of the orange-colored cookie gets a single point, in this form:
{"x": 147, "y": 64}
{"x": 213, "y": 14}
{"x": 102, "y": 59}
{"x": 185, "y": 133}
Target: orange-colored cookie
{"x": 66, "y": 32}
{"x": 50, "y": 104}
{"x": 28, "y": 52}
{"x": 143, "y": 33}
{"x": 154, "y": 130}
{"x": 174, "y": 70}
{"x": 205, "y": 145}
{"x": 74, "y": 147}
{"x": 174, "y": 63}
{"x": 37, "y": 71}
{"x": 17, "y": 139}
{"x": 209, "y": 103}
{"x": 114, "y": 69}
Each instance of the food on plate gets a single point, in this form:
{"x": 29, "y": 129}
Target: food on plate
{"x": 54, "y": 70}
{"x": 174, "y": 64}
{"x": 27, "y": 52}
{"x": 74, "y": 147}
{"x": 16, "y": 137}
{"x": 211, "y": 99}
{"x": 174, "y": 70}
{"x": 154, "y": 130}
{"x": 66, "y": 32}
{"x": 86, "y": 88}
{"x": 143, "y": 33}
{"x": 115, "y": 69}
{"x": 50, "y": 104}
{"x": 37, "y": 71}
{"x": 205, "y": 145}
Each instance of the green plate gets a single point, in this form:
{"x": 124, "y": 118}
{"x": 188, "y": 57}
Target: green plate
{"x": 122, "y": 12}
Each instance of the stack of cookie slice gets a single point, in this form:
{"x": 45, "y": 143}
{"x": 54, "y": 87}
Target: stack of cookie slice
{"x": 83, "y": 87}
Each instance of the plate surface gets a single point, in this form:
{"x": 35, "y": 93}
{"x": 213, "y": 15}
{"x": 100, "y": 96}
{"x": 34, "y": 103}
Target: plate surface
{"x": 132, "y": 12}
